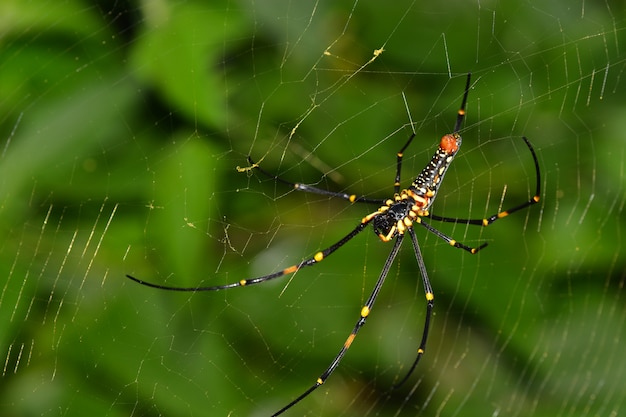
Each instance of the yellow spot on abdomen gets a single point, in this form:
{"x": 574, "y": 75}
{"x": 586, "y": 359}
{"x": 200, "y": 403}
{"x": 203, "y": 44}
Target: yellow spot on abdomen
{"x": 365, "y": 311}
{"x": 318, "y": 256}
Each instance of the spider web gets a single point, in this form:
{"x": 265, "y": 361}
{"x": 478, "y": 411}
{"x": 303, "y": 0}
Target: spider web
{"x": 123, "y": 125}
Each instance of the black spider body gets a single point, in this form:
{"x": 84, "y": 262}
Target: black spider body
{"x": 394, "y": 219}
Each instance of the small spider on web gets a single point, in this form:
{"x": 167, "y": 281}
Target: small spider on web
{"x": 395, "y": 217}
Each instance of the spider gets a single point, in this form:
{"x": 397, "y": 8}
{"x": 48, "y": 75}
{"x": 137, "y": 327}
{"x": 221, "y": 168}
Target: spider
{"x": 396, "y": 217}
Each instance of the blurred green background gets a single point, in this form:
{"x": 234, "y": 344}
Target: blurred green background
{"x": 122, "y": 125}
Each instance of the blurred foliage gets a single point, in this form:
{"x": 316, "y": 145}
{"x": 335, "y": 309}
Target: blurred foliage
{"x": 122, "y": 126}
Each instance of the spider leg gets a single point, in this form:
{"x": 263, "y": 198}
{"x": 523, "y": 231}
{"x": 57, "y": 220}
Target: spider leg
{"x": 298, "y": 186}
{"x": 448, "y": 239}
{"x": 460, "y": 116}
{"x": 318, "y": 257}
{"x": 365, "y": 311}
{"x": 430, "y": 301}
{"x": 399, "y": 156}
{"x": 489, "y": 220}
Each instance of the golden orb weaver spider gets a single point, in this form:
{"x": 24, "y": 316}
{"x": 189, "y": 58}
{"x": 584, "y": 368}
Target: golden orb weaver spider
{"x": 393, "y": 219}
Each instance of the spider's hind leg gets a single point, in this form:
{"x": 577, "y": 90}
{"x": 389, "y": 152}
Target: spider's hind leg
{"x": 298, "y": 186}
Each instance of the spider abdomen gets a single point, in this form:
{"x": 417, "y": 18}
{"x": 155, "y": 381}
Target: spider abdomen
{"x": 427, "y": 182}
{"x": 409, "y": 205}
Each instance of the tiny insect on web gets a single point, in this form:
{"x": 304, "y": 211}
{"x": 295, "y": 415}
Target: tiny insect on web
{"x": 394, "y": 218}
